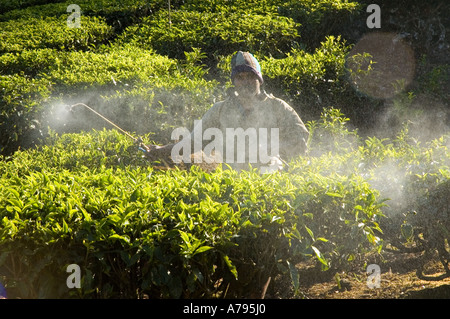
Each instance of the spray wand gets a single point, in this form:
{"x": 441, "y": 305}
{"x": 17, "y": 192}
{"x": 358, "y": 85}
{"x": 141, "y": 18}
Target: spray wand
{"x": 144, "y": 148}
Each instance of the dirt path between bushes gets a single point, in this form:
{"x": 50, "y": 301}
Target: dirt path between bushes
{"x": 398, "y": 281}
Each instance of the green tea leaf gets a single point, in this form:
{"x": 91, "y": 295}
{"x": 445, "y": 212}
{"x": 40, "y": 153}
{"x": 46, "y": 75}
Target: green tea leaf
{"x": 230, "y": 265}
{"x": 121, "y": 238}
{"x": 320, "y": 257}
{"x": 202, "y": 249}
{"x": 295, "y": 277}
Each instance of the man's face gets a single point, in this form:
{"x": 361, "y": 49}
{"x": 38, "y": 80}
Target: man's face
{"x": 247, "y": 84}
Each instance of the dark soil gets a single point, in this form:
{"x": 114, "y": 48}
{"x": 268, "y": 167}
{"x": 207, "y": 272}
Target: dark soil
{"x": 398, "y": 281}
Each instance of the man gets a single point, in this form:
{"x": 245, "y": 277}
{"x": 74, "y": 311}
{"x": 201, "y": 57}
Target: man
{"x": 249, "y": 127}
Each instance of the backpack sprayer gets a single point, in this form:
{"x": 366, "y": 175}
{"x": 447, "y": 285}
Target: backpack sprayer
{"x": 144, "y": 148}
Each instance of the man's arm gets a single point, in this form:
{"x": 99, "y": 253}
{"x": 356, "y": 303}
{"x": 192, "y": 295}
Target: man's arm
{"x": 293, "y": 133}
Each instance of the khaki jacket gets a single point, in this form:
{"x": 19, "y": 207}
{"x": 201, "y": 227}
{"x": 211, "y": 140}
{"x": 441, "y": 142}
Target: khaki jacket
{"x": 228, "y": 131}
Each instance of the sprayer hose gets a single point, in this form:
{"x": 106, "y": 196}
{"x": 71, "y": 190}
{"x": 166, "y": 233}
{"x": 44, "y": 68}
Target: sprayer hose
{"x": 115, "y": 125}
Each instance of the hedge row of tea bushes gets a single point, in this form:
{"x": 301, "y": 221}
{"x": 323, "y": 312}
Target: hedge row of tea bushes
{"x": 219, "y": 33}
{"x": 135, "y": 231}
{"x": 50, "y": 33}
{"x": 145, "y": 89}
{"x": 123, "y": 11}
{"x": 92, "y": 200}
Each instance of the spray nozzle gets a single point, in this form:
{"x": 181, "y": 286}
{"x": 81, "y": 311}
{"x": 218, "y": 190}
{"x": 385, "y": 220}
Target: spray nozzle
{"x": 74, "y": 107}
{"x": 141, "y": 146}
{"x": 69, "y": 109}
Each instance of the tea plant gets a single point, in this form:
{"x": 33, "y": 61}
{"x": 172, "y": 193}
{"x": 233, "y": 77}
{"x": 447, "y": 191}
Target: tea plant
{"x": 145, "y": 89}
{"x": 312, "y": 80}
{"x": 320, "y": 19}
{"x": 93, "y": 200}
{"x": 176, "y": 233}
{"x": 52, "y": 32}
{"x": 215, "y": 33}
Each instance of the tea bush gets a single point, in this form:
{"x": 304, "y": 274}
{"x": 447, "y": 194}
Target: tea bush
{"x": 8, "y": 5}
{"x": 52, "y": 32}
{"x": 321, "y": 19}
{"x": 92, "y": 200}
{"x": 111, "y": 10}
{"x": 111, "y": 235}
{"x": 312, "y": 80}
{"x": 135, "y": 88}
{"x": 20, "y": 110}
{"x": 315, "y": 19}
{"x": 214, "y": 33}
{"x": 251, "y": 7}
{"x": 415, "y": 177}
